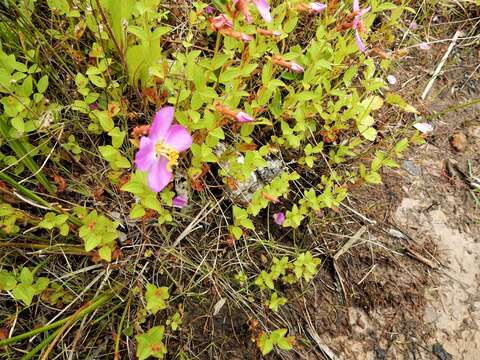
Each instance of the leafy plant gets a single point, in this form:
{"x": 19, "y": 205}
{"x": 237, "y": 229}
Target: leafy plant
{"x": 98, "y": 232}
{"x": 156, "y": 297}
{"x": 267, "y": 341}
{"x": 150, "y": 343}
{"x": 23, "y": 287}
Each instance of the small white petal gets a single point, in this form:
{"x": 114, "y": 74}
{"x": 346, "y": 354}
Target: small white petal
{"x": 392, "y": 80}
{"x": 423, "y": 127}
{"x": 424, "y": 46}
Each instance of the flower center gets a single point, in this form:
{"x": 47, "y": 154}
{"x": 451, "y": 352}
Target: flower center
{"x": 162, "y": 149}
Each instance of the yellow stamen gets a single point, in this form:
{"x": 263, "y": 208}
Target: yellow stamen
{"x": 169, "y": 152}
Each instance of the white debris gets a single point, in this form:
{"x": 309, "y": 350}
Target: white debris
{"x": 424, "y": 128}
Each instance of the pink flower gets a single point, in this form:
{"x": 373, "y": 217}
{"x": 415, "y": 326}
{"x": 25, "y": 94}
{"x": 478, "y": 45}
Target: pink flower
{"x": 179, "y": 202}
{"x": 317, "y": 7}
{"x": 296, "y": 68}
{"x": 220, "y": 22}
{"x": 290, "y": 65}
{"x": 240, "y": 116}
{"x": 312, "y": 8}
{"x": 209, "y": 10}
{"x": 160, "y": 151}
{"x": 358, "y": 25}
{"x": 265, "y": 32}
{"x": 243, "y": 117}
{"x": 279, "y": 218}
{"x": 236, "y": 34}
{"x": 262, "y": 7}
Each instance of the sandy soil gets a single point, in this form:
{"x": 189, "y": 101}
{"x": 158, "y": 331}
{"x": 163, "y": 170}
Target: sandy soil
{"x": 436, "y": 211}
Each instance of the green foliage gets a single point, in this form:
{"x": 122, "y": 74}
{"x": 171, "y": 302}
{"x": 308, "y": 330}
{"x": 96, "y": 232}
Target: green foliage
{"x": 99, "y": 233}
{"x": 147, "y": 199}
{"x": 283, "y": 269}
{"x": 267, "y": 342}
{"x": 156, "y": 297}
{"x": 9, "y": 216}
{"x": 305, "y": 265}
{"x": 150, "y": 343}
{"x": 175, "y": 321}
{"x": 52, "y": 220}
{"x": 23, "y": 287}
{"x": 240, "y": 219}
{"x": 276, "y": 301}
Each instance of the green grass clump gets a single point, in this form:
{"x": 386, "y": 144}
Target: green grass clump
{"x": 285, "y": 119}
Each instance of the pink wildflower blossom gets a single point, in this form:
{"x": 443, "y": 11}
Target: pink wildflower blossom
{"x": 240, "y": 116}
{"x": 179, "y": 202}
{"x": 243, "y": 117}
{"x": 290, "y": 65}
{"x": 279, "y": 218}
{"x": 262, "y": 7}
{"x": 358, "y": 25}
{"x": 220, "y": 22}
{"x": 160, "y": 150}
{"x": 313, "y": 7}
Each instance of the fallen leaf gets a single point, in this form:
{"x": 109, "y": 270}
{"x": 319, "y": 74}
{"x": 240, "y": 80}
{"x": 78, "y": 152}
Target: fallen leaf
{"x": 61, "y": 183}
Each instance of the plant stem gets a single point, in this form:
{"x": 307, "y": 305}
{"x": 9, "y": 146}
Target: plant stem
{"x": 120, "y": 327}
{"x": 91, "y": 306}
{"x": 34, "y": 197}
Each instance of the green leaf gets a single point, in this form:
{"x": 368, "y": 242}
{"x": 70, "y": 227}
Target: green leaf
{"x": 97, "y": 81}
{"x": 7, "y": 281}
{"x": 150, "y": 344}
{"x": 137, "y": 211}
{"x": 276, "y": 301}
{"x": 18, "y": 124}
{"x": 24, "y": 293}
{"x": 265, "y": 344}
{"x": 156, "y": 298}
{"x": 118, "y": 137}
{"x": 42, "y": 84}
{"x": 370, "y": 134}
{"x": 26, "y": 276}
{"x": 105, "y": 253}
{"x": 373, "y": 177}
{"x": 236, "y": 232}
{"x": 401, "y": 146}
{"x": 306, "y": 266}
{"x": 105, "y": 120}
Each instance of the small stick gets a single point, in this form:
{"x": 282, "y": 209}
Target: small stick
{"x": 441, "y": 64}
{"x": 414, "y": 254}
{"x": 350, "y": 242}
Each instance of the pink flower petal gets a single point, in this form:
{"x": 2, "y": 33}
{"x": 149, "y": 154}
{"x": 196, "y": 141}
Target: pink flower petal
{"x": 359, "y": 42}
{"x": 178, "y": 137}
{"x": 145, "y": 156}
{"x": 364, "y": 11}
{"x": 243, "y": 117}
{"x": 161, "y": 123}
{"x": 296, "y": 68}
{"x": 263, "y": 9}
{"x": 279, "y": 218}
{"x": 159, "y": 176}
{"x": 356, "y": 5}
{"x": 317, "y": 7}
{"x": 179, "y": 202}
